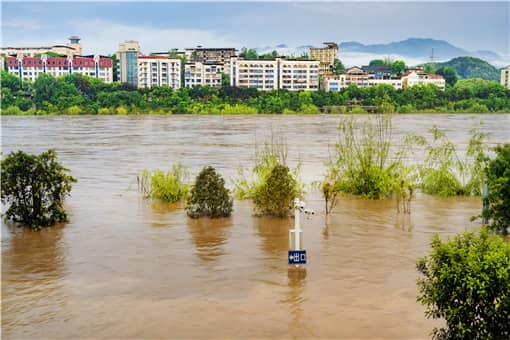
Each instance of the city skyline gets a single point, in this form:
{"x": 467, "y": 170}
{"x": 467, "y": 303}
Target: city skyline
{"x": 159, "y": 26}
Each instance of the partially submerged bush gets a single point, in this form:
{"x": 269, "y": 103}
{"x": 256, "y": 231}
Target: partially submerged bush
{"x": 360, "y": 165}
{"x": 277, "y": 192}
{"x": 498, "y": 176}
{"x": 208, "y": 196}
{"x": 169, "y": 186}
{"x": 444, "y": 172}
{"x": 466, "y": 282}
{"x": 34, "y": 188}
{"x": 274, "y": 185}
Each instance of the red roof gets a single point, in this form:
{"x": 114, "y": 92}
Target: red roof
{"x": 83, "y": 62}
{"x": 435, "y": 76}
{"x": 32, "y": 62}
{"x": 57, "y": 62}
{"x": 105, "y": 62}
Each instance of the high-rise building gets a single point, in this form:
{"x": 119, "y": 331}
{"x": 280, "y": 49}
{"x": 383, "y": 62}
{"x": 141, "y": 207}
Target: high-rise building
{"x": 127, "y": 62}
{"x": 159, "y": 71}
{"x": 279, "y": 73}
{"x": 326, "y": 56}
{"x": 505, "y": 77}
{"x": 203, "y": 74}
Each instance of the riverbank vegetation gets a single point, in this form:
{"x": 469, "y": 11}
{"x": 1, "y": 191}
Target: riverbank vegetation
{"x": 76, "y": 94}
{"x": 34, "y": 188}
{"x": 465, "y": 281}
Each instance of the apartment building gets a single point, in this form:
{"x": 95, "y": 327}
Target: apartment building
{"x": 279, "y": 73}
{"x": 505, "y": 77}
{"x": 158, "y": 71}
{"x": 127, "y": 62}
{"x": 414, "y": 77}
{"x": 326, "y": 56}
{"x": 70, "y": 49}
{"x": 203, "y": 74}
{"x": 29, "y": 68}
{"x": 341, "y": 81}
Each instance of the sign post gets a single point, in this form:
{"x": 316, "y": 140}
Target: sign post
{"x": 297, "y": 255}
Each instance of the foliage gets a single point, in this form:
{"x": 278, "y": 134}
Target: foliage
{"x": 169, "y": 186}
{"x": 277, "y": 192}
{"x": 34, "y": 188}
{"x": 465, "y": 281}
{"x": 50, "y": 95}
{"x": 208, "y": 196}
{"x": 449, "y": 75}
{"x": 469, "y": 67}
{"x": 338, "y": 66}
{"x": 376, "y": 62}
{"x": 271, "y": 190}
{"x": 360, "y": 165}
{"x": 248, "y": 53}
{"x": 398, "y": 67}
{"x": 443, "y": 172}
{"x": 498, "y": 176}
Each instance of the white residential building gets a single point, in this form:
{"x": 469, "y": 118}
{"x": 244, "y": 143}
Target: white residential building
{"x": 203, "y": 74}
{"x": 29, "y": 68}
{"x": 412, "y": 78}
{"x": 505, "y": 77}
{"x": 266, "y": 75}
{"x": 159, "y": 71}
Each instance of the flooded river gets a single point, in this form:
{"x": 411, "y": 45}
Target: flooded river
{"x": 123, "y": 267}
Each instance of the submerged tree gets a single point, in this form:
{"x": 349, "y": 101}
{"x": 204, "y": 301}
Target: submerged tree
{"x": 208, "y": 196}
{"x": 34, "y": 188}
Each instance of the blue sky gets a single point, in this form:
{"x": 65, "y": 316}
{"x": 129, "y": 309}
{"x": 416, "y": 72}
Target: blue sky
{"x": 160, "y": 26}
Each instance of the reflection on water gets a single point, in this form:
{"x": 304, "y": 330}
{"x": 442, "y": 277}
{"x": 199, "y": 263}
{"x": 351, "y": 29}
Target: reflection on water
{"x": 209, "y": 235}
{"x": 124, "y": 267}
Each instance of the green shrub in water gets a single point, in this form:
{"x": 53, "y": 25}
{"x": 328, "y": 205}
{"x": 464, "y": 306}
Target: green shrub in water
{"x": 208, "y": 196}
{"x": 34, "y": 188}
{"x": 277, "y": 192}
{"x": 169, "y": 186}
{"x": 274, "y": 185}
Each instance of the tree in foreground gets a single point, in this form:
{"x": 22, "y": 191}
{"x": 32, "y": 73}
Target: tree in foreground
{"x": 208, "y": 196}
{"x": 34, "y": 188}
{"x": 498, "y": 176}
{"x": 466, "y": 281}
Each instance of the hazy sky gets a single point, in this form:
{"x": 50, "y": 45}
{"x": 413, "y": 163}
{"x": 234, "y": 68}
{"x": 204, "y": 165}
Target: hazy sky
{"x": 159, "y": 26}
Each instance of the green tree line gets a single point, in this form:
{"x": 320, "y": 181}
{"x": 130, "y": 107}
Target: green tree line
{"x": 76, "y": 94}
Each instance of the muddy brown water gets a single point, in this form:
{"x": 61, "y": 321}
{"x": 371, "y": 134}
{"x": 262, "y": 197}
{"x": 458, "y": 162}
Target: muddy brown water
{"x": 123, "y": 267}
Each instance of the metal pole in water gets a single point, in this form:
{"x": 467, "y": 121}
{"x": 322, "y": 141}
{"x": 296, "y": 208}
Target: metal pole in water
{"x": 485, "y": 202}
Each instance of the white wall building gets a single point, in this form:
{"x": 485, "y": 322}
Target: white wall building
{"x": 266, "y": 75}
{"x": 413, "y": 78}
{"x": 505, "y": 77}
{"x": 29, "y": 68}
{"x": 203, "y": 74}
{"x": 159, "y": 71}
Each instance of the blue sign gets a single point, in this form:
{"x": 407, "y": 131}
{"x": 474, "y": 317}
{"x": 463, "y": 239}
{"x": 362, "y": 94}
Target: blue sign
{"x": 297, "y": 256}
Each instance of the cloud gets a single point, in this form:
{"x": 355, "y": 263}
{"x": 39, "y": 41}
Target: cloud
{"x": 21, "y": 23}
{"x": 100, "y": 36}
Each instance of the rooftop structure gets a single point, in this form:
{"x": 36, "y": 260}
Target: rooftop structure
{"x": 326, "y": 56}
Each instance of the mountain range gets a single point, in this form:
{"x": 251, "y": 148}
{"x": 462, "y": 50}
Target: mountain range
{"x": 413, "y": 51}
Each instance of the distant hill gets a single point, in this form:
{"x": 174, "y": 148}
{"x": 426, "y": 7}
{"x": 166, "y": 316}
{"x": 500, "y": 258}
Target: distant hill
{"x": 412, "y": 47}
{"x": 420, "y": 49}
{"x": 469, "y": 67}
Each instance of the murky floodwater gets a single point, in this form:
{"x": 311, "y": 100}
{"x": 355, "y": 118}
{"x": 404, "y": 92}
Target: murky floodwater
{"x": 123, "y": 267}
